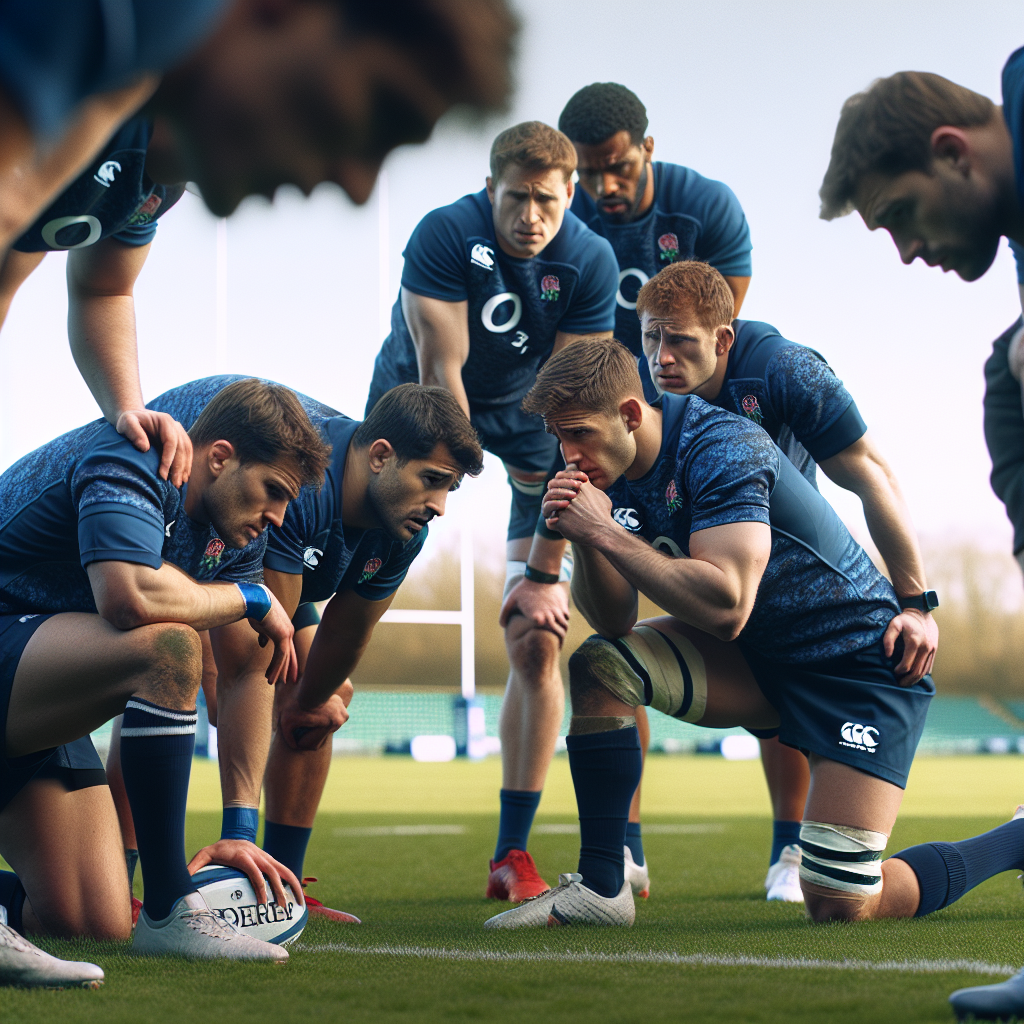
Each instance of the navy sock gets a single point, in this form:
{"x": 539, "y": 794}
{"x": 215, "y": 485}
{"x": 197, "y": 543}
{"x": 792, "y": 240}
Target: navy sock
{"x": 784, "y": 833}
{"x": 131, "y": 861}
{"x": 606, "y": 769}
{"x": 240, "y": 823}
{"x": 634, "y": 842}
{"x": 156, "y": 759}
{"x": 287, "y": 843}
{"x": 945, "y": 871}
{"x": 518, "y": 806}
{"x": 12, "y": 899}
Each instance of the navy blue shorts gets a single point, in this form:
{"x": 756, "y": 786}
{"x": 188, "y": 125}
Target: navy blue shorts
{"x": 76, "y": 765}
{"x": 307, "y": 614}
{"x": 517, "y": 438}
{"x": 849, "y": 709}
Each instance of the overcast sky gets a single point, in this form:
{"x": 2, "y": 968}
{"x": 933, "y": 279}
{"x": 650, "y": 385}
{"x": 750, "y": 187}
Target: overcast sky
{"x": 747, "y": 92}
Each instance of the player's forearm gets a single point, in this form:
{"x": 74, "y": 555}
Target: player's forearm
{"x": 608, "y": 602}
{"x": 332, "y": 659}
{"x": 447, "y": 374}
{"x": 546, "y": 554}
{"x": 101, "y": 330}
{"x": 888, "y": 522}
{"x": 691, "y": 589}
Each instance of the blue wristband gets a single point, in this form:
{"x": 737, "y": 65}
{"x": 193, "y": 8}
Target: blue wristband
{"x": 257, "y": 600}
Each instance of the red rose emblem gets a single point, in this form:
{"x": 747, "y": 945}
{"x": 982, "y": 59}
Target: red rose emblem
{"x": 214, "y": 549}
{"x": 668, "y": 241}
{"x": 550, "y": 283}
{"x": 371, "y": 567}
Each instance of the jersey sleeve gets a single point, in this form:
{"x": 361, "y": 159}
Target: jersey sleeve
{"x": 119, "y": 500}
{"x": 811, "y": 400}
{"x": 389, "y": 577}
{"x": 287, "y": 543}
{"x": 141, "y": 227}
{"x": 725, "y": 237}
{"x": 1004, "y": 432}
{"x": 728, "y": 470}
{"x": 435, "y": 260}
{"x": 593, "y": 304}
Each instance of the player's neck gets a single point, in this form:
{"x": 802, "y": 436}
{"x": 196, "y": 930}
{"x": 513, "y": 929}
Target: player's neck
{"x": 647, "y": 437}
{"x": 356, "y": 511}
{"x": 648, "y": 197}
{"x": 712, "y": 387}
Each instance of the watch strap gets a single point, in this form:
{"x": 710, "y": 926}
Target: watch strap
{"x": 925, "y": 602}
{"x": 536, "y": 576}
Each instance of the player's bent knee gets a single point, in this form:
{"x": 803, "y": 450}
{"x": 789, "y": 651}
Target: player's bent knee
{"x": 174, "y": 654}
{"x": 840, "y": 870}
{"x": 532, "y": 650}
{"x": 658, "y": 668}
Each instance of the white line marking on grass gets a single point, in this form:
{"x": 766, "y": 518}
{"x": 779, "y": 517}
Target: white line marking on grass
{"x": 699, "y": 829}
{"x": 680, "y": 959}
{"x": 403, "y": 830}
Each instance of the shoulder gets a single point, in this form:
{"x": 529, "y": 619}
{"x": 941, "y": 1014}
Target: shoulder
{"x": 461, "y": 219}
{"x": 737, "y": 440}
{"x": 1013, "y": 76}
{"x": 684, "y": 190}
{"x": 578, "y": 245}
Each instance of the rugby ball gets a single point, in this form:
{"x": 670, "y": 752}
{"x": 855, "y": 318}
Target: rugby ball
{"x": 230, "y": 895}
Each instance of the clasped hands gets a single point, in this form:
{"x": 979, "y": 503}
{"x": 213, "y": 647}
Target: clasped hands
{"x": 574, "y": 507}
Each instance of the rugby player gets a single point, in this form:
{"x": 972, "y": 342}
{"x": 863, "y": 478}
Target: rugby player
{"x": 107, "y": 573}
{"x": 777, "y": 618}
{"x": 252, "y": 97}
{"x": 653, "y": 213}
{"x": 492, "y": 285}
{"x": 349, "y": 543}
{"x": 693, "y": 347}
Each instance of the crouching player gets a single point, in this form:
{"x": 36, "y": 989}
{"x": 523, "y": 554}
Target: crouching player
{"x": 351, "y": 543}
{"x": 107, "y": 572}
{"x": 777, "y": 619}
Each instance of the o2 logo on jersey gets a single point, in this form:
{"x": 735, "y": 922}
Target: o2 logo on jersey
{"x": 370, "y": 569}
{"x": 668, "y": 243}
{"x": 482, "y": 256}
{"x": 491, "y": 307}
{"x": 550, "y": 288}
{"x": 641, "y": 279}
{"x": 520, "y": 342}
{"x": 105, "y": 175}
{"x": 309, "y": 557}
{"x": 860, "y": 737}
{"x": 627, "y": 518}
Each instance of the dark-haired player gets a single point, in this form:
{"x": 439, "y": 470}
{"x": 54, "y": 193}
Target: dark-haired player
{"x": 776, "y": 618}
{"x": 693, "y": 347}
{"x": 349, "y": 543}
{"x": 493, "y": 285}
{"x": 100, "y": 556}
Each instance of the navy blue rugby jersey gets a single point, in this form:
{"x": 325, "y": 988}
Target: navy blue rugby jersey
{"x": 313, "y": 540}
{"x": 55, "y": 53}
{"x": 693, "y": 218}
{"x": 91, "y": 496}
{"x": 820, "y": 596}
{"x": 516, "y": 306}
{"x": 790, "y": 391}
{"x": 112, "y": 198}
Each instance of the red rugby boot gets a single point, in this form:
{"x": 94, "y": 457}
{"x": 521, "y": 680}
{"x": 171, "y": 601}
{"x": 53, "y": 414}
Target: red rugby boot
{"x": 136, "y": 907}
{"x": 317, "y": 909}
{"x": 515, "y": 878}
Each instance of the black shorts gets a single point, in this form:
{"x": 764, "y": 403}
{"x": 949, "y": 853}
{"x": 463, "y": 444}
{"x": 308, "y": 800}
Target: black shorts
{"x": 76, "y": 765}
{"x": 849, "y": 709}
{"x": 307, "y": 614}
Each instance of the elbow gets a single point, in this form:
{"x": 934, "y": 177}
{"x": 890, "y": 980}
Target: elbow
{"x": 126, "y": 611}
{"x": 730, "y": 623}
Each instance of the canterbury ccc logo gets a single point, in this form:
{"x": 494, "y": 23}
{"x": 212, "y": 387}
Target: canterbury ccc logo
{"x": 865, "y": 737}
{"x": 626, "y": 517}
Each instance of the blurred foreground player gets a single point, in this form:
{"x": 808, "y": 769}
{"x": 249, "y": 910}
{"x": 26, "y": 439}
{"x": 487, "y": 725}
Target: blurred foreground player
{"x": 349, "y": 543}
{"x": 777, "y": 619}
{"x": 693, "y": 347}
{"x": 492, "y": 286}
{"x": 107, "y": 573}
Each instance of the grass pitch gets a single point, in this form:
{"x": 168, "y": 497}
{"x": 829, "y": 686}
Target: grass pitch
{"x": 706, "y": 946}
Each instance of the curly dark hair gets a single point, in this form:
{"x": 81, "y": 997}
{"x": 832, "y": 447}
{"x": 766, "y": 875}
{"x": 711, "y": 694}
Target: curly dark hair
{"x": 598, "y": 111}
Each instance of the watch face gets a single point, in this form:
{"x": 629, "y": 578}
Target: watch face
{"x": 931, "y": 599}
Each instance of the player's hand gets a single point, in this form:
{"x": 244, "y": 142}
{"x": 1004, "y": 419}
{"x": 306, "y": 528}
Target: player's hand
{"x": 277, "y": 626}
{"x": 546, "y": 605}
{"x": 562, "y": 488}
{"x": 255, "y": 863}
{"x": 309, "y": 729}
{"x": 579, "y": 510}
{"x": 920, "y": 635}
{"x": 141, "y": 426}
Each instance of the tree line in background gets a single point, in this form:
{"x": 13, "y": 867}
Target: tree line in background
{"x": 981, "y": 648}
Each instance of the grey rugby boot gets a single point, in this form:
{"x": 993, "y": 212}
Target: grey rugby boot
{"x": 1004, "y": 1001}
{"x": 193, "y": 930}
{"x": 23, "y": 965}
{"x": 570, "y": 903}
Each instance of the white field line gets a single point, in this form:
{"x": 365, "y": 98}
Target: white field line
{"x": 697, "y": 829}
{"x": 676, "y": 959}
{"x": 403, "y": 830}
{"x": 558, "y": 828}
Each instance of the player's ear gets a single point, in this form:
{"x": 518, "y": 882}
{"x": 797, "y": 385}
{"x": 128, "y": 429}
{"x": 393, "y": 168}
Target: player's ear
{"x": 378, "y": 454}
{"x": 648, "y": 147}
{"x": 724, "y": 338}
{"x": 631, "y": 413}
{"x": 490, "y": 188}
{"x": 951, "y": 146}
{"x": 570, "y": 187}
{"x": 218, "y": 455}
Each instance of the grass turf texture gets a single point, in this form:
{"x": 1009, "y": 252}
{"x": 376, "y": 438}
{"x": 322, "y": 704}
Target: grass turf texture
{"x": 422, "y": 894}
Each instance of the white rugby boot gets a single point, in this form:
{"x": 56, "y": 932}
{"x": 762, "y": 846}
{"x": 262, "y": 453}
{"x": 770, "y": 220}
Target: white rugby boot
{"x": 570, "y": 903}
{"x": 783, "y": 880}
{"x": 193, "y": 930}
{"x": 637, "y": 875}
{"x": 23, "y": 965}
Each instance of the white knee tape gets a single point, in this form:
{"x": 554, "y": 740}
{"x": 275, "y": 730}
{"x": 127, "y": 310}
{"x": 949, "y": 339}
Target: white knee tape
{"x": 565, "y": 573}
{"x": 662, "y": 670}
{"x": 843, "y": 858}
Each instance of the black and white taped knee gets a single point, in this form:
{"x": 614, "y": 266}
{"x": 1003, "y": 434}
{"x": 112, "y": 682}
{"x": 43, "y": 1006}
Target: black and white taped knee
{"x": 838, "y": 857}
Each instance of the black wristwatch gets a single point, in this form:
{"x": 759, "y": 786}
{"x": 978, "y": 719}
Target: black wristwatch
{"x": 925, "y": 602}
{"x": 536, "y": 576}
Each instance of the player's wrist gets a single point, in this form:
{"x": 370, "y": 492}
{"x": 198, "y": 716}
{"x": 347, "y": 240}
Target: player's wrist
{"x": 258, "y": 600}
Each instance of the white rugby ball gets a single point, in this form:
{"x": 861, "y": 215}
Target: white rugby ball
{"x": 229, "y": 893}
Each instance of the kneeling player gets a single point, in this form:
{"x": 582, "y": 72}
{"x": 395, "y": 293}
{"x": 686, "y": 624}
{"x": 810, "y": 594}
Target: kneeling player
{"x": 107, "y": 572}
{"x": 777, "y": 618}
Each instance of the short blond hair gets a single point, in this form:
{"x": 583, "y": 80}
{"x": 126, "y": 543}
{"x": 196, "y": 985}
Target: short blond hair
{"x": 533, "y": 145}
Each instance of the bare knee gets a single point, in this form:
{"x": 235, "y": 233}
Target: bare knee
{"x": 824, "y": 906}
{"x": 174, "y": 664}
{"x": 106, "y": 920}
{"x": 532, "y": 651}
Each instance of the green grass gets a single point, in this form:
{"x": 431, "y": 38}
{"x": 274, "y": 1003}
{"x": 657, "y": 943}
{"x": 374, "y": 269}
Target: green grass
{"x": 426, "y": 892}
